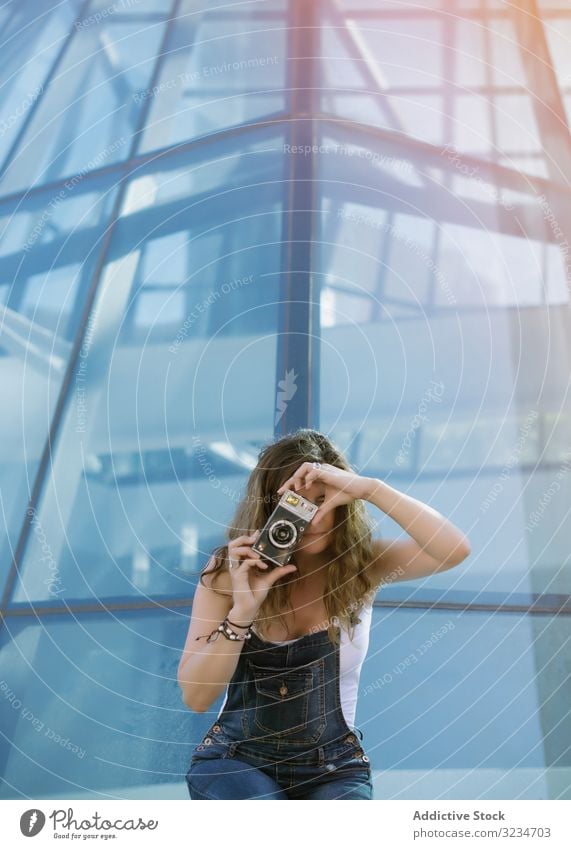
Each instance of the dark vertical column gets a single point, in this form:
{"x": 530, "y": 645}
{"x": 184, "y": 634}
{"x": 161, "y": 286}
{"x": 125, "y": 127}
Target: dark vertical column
{"x": 545, "y": 95}
{"x": 297, "y": 375}
{"x": 549, "y": 110}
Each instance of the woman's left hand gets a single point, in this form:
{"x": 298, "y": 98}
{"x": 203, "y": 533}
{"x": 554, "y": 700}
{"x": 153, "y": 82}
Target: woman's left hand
{"x": 341, "y": 486}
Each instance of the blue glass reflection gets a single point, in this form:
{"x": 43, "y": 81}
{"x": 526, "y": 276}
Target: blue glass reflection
{"x": 467, "y": 705}
{"x": 49, "y": 246}
{"x": 235, "y": 73}
{"x": 452, "y": 706}
{"x": 440, "y": 372}
{"x": 174, "y": 381}
{"x": 463, "y": 79}
{"x": 85, "y": 118}
{"x": 92, "y": 708}
{"x": 34, "y": 28}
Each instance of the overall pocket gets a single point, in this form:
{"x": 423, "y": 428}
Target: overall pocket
{"x": 289, "y": 703}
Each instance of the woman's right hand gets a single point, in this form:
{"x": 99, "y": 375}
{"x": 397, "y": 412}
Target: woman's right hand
{"x": 250, "y": 586}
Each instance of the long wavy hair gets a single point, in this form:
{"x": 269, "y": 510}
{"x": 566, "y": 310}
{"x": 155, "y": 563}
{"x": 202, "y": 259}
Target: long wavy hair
{"x": 347, "y": 580}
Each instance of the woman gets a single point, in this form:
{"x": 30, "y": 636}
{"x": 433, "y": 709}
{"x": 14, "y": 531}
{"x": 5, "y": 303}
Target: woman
{"x": 288, "y": 643}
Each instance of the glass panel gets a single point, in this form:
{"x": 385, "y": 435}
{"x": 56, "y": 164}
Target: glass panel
{"x": 467, "y": 705}
{"x": 234, "y": 73}
{"x": 49, "y": 245}
{"x": 92, "y": 707}
{"x": 558, "y": 35}
{"x": 512, "y": 273}
{"x": 101, "y": 695}
{"x": 553, "y": 5}
{"x": 32, "y": 33}
{"x": 70, "y": 132}
{"x": 101, "y": 9}
{"x": 445, "y": 385}
{"x": 177, "y": 380}
{"x": 373, "y": 5}
{"x": 446, "y": 79}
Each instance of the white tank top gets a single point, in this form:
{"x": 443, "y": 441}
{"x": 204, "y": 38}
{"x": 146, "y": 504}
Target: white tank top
{"x": 351, "y": 656}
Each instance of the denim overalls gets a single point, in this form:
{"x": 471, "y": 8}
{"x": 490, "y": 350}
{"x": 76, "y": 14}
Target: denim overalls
{"x": 282, "y": 733}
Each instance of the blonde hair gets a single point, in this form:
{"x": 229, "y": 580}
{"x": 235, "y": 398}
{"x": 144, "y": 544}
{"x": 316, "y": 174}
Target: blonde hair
{"x": 347, "y": 580}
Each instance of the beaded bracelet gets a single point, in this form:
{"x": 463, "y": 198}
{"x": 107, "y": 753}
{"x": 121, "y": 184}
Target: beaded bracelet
{"x": 230, "y": 633}
{"x": 226, "y": 629}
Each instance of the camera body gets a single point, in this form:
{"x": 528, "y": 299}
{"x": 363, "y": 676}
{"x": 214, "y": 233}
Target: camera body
{"x": 284, "y": 529}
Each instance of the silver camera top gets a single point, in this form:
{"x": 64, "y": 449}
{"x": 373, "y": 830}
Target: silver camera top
{"x": 298, "y": 504}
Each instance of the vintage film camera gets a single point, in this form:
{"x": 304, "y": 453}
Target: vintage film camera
{"x": 284, "y": 529}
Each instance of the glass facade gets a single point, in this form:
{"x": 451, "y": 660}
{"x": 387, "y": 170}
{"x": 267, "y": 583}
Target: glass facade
{"x": 202, "y": 201}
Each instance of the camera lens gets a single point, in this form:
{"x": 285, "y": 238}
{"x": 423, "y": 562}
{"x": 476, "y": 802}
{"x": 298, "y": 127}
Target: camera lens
{"x": 282, "y": 533}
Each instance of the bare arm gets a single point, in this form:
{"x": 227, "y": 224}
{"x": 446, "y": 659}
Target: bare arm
{"x": 206, "y": 668}
{"x": 435, "y": 543}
